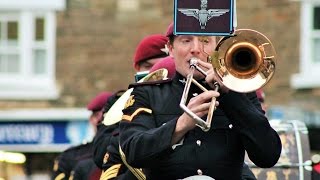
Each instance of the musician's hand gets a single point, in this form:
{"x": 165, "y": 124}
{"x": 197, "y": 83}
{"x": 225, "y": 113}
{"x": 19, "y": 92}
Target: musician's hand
{"x": 204, "y": 65}
{"x": 212, "y": 76}
{"x": 198, "y": 105}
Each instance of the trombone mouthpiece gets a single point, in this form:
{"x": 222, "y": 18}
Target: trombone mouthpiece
{"x": 194, "y": 61}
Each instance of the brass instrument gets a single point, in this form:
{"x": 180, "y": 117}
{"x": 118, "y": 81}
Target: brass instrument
{"x": 114, "y": 114}
{"x": 244, "y": 61}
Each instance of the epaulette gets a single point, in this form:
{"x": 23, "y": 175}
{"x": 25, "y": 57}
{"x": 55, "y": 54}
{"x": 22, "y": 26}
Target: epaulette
{"x": 150, "y": 83}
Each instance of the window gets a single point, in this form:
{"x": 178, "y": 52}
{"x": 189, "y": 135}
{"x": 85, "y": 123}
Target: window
{"x": 309, "y": 74}
{"x": 9, "y": 54}
{"x": 39, "y": 51}
{"x": 316, "y": 36}
{"x": 27, "y": 49}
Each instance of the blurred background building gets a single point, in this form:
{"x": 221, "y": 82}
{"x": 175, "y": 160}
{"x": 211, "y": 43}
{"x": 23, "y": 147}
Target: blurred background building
{"x": 56, "y": 55}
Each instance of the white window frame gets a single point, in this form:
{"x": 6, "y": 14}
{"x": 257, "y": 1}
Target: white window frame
{"x": 26, "y": 85}
{"x": 309, "y": 74}
{"x": 8, "y": 17}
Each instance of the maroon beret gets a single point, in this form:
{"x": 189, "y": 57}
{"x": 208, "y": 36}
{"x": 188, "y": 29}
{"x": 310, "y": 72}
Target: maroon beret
{"x": 167, "y": 63}
{"x": 170, "y": 30}
{"x": 152, "y": 46}
{"x": 97, "y": 103}
{"x": 260, "y": 94}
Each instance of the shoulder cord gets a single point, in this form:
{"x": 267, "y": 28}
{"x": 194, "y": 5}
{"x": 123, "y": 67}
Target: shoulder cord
{"x": 135, "y": 171}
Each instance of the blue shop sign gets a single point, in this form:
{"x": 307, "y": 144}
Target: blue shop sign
{"x": 44, "y": 133}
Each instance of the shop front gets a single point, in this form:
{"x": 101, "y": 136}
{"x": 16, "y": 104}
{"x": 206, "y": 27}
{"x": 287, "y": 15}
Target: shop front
{"x": 31, "y": 139}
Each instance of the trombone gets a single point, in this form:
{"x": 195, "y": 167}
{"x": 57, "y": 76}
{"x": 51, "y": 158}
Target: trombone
{"x": 244, "y": 61}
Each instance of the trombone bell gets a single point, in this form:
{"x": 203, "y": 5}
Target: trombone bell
{"x": 245, "y": 61}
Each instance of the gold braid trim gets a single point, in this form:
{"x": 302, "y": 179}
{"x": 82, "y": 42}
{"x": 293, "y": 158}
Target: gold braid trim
{"x": 55, "y": 165}
{"x": 111, "y": 172}
{"x": 60, "y": 176}
{"x": 129, "y": 118}
{"x": 71, "y": 177}
{"x": 135, "y": 171}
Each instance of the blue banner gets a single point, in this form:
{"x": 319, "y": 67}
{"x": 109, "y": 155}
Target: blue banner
{"x": 44, "y": 132}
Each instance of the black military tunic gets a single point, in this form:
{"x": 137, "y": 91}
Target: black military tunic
{"x": 113, "y": 166}
{"x": 85, "y": 170}
{"x": 106, "y": 148}
{"x": 104, "y": 133}
{"x": 68, "y": 159}
{"x": 238, "y": 124}
{"x": 101, "y": 141}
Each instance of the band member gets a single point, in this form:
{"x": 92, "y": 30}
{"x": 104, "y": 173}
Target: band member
{"x": 166, "y": 63}
{"x": 159, "y": 137}
{"x": 261, "y": 97}
{"x": 315, "y": 167}
{"x": 69, "y": 158}
{"x": 149, "y": 51}
{"x": 87, "y": 169}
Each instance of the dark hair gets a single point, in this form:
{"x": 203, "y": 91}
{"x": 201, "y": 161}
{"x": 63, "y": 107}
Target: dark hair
{"x": 171, "y": 39}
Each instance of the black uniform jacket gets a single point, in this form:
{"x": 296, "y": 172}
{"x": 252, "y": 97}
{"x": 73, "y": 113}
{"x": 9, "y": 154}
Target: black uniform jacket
{"x": 86, "y": 170}
{"x": 106, "y": 148}
{"x": 68, "y": 159}
{"x": 114, "y": 162}
{"x": 101, "y": 141}
{"x": 108, "y": 153}
{"x": 238, "y": 124}
{"x": 104, "y": 133}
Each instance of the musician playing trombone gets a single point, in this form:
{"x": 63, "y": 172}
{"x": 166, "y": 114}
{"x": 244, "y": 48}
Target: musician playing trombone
{"x": 158, "y": 136}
